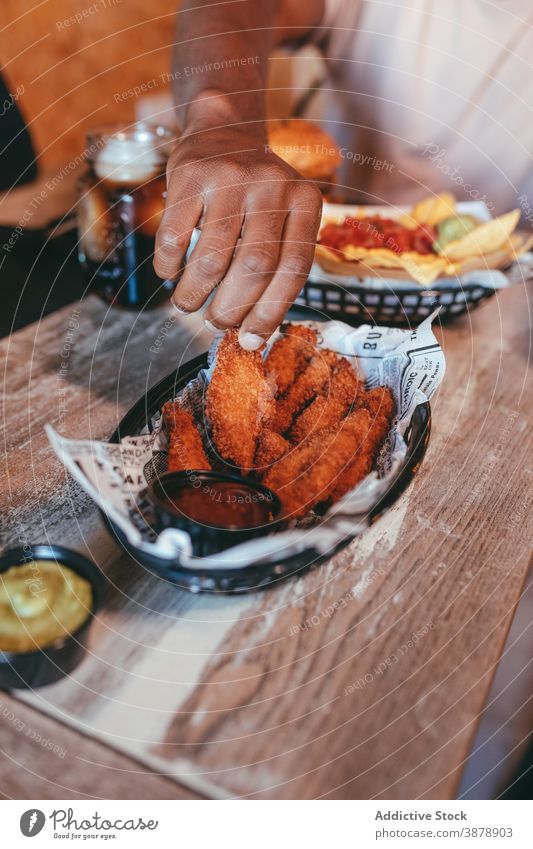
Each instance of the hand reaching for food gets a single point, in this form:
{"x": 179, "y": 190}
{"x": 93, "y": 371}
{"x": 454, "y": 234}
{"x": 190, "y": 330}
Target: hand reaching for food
{"x": 227, "y": 181}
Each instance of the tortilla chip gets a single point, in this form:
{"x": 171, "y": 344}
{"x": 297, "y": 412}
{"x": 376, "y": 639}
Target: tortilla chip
{"x": 519, "y": 245}
{"x": 408, "y": 221}
{"x": 484, "y": 239}
{"x": 373, "y": 257}
{"x": 321, "y": 251}
{"x": 434, "y": 209}
{"x": 424, "y": 268}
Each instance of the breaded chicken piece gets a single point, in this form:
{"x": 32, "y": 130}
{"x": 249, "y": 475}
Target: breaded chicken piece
{"x": 185, "y": 449}
{"x": 379, "y": 404}
{"x": 309, "y": 383}
{"x": 239, "y": 402}
{"x": 271, "y": 447}
{"x": 337, "y": 398}
{"x": 290, "y": 354}
{"x": 307, "y": 475}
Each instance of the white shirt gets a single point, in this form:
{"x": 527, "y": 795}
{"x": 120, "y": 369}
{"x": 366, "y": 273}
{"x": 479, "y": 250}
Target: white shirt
{"x": 428, "y": 95}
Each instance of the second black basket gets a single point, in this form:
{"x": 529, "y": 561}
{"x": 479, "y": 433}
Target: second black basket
{"x": 358, "y": 304}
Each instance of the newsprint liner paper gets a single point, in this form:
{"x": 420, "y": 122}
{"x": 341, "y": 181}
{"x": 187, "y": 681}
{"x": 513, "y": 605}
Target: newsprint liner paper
{"x": 411, "y": 363}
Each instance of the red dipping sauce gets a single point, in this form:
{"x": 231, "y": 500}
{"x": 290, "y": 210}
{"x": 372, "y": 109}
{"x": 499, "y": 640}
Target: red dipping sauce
{"x": 220, "y": 504}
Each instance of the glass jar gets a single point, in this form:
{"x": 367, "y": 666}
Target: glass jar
{"x": 121, "y": 202}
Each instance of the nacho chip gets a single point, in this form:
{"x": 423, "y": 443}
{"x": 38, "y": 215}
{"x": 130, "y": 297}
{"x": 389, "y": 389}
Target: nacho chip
{"x": 322, "y": 252}
{"x": 373, "y": 257}
{"x": 424, "y": 268}
{"x": 408, "y": 221}
{"x": 434, "y": 209}
{"x": 520, "y": 244}
{"x": 484, "y": 239}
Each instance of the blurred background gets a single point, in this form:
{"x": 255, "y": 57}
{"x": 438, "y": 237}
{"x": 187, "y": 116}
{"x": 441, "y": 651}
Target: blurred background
{"x": 67, "y": 66}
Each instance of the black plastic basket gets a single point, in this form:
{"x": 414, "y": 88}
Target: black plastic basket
{"x": 259, "y": 575}
{"x": 357, "y": 304}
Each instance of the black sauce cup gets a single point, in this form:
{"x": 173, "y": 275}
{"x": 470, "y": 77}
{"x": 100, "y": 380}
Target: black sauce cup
{"x": 27, "y": 670}
{"x": 207, "y": 538}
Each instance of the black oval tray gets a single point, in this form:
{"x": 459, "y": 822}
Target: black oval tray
{"x": 260, "y": 574}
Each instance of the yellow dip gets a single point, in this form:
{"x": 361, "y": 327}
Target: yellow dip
{"x": 40, "y": 602}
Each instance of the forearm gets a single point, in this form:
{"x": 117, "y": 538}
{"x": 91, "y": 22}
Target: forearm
{"x": 220, "y": 60}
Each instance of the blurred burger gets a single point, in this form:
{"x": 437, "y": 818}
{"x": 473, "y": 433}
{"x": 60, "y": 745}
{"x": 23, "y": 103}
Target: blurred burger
{"x": 305, "y": 146}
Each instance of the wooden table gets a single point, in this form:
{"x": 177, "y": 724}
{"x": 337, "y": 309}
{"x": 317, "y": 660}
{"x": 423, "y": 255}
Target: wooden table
{"x": 364, "y": 678}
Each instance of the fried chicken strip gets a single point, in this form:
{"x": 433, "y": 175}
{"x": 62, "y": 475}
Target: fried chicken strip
{"x": 309, "y": 383}
{"x": 307, "y": 475}
{"x": 290, "y": 354}
{"x": 239, "y": 402}
{"x": 185, "y": 449}
{"x": 337, "y": 398}
{"x": 271, "y": 447}
{"x": 379, "y": 404}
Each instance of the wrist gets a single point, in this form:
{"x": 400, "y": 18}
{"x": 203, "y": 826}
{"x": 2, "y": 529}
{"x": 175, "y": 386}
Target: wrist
{"x": 214, "y": 108}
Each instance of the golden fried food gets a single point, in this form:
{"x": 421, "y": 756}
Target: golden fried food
{"x": 311, "y": 445}
{"x": 271, "y": 447}
{"x": 239, "y": 402}
{"x": 290, "y": 354}
{"x": 379, "y": 404}
{"x": 185, "y": 449}
{"x": 337, "y": 398}
{"x": 307, "y": 475}
{"x": 307, "y": 385}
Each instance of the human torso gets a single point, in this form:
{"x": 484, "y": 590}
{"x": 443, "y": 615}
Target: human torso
{"x": 428, "y": 96}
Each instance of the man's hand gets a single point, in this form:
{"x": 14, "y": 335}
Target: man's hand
{"x": 225, "y": 180}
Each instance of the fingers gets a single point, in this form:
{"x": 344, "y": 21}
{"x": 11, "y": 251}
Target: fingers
{"x": 252, "y": 268}
{"x": 259, "y": 278}
{"x": 296, "y": 257}
{"x": 182, "y": 212}
{"x": 212, "y": 255}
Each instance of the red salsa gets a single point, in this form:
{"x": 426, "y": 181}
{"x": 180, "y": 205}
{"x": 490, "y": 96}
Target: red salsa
{"x": 220, "y": 504}
{"x": 377, "y": 232}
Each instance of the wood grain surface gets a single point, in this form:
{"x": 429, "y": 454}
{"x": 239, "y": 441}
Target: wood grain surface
{"x": 44, "y": 760}
{"x": 364, "y": 678}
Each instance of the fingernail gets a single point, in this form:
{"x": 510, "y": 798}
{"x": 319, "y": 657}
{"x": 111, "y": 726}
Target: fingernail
{"x": 179, "y": 309}
{"x": 251, "y": 341}
{"x": 210, "y": 326}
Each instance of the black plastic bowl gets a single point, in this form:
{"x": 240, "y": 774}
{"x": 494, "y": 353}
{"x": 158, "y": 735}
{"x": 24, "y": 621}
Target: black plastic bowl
{"x": 27, "y": 670}
{"x": 209, "y": 539}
